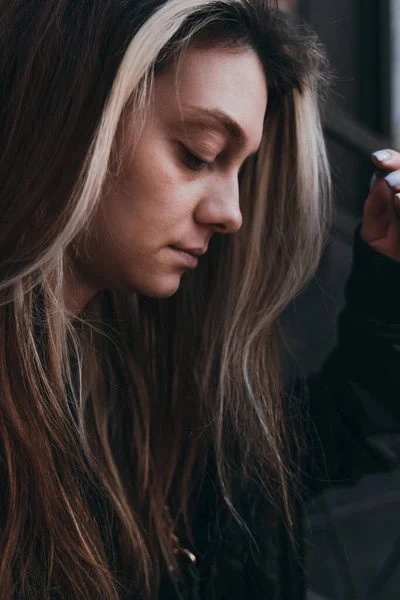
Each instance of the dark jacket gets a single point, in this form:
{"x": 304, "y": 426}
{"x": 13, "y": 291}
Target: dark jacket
{"x": 352, "y": 426}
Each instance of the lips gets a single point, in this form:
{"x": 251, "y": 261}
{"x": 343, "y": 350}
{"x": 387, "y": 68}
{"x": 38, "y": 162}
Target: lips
{"x": 192, "y": 251}
{"x": 188, "y": 257}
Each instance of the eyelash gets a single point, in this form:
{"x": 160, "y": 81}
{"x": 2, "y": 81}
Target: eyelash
{"x": 192, "y": 161}
{"x": 197, "y": 164}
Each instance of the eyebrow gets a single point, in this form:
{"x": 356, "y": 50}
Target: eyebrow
{"x": 213, "y": 115}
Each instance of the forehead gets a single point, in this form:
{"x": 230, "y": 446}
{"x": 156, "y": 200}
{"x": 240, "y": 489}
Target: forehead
{"x": 232, "y": 81}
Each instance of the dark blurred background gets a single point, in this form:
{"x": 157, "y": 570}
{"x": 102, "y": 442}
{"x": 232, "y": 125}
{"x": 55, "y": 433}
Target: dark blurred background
{"x": 352, "y": 534}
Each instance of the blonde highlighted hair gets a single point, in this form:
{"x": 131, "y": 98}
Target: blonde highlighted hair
{"x": 108, "y": 418}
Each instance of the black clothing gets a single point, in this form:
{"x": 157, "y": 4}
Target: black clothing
{"x": 353, "y": 426}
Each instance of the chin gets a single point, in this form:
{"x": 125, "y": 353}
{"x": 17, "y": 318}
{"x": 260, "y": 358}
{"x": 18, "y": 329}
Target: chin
{"x": 160, "y": 289}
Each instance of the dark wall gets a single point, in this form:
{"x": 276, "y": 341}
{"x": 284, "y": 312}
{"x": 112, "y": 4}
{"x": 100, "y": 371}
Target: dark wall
{"x": 356, "y": 36}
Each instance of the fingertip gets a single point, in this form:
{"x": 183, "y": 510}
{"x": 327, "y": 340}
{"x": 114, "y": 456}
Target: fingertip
{"x": 393, "y": 179}
{"x": 382, "y": 156}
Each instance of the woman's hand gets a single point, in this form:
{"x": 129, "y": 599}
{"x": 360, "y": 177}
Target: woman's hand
{"x": 381, "y": 215}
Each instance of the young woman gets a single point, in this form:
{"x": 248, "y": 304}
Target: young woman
{"x": 164, "y": 195}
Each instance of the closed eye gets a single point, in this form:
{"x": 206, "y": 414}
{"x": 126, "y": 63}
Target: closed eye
{"x": 192, "y": 161}
{"x": 197, "y": 164}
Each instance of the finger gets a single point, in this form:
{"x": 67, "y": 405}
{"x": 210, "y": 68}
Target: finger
{"x": 390, "y": 243}
{"x": 396, "y": 204}
{"x": 395, "y": 196}
{"x": 374, "y": 179}
{"x": 393, "y": 180}
{"x": 377, "y": 212}
{"x": 388, "y": 160}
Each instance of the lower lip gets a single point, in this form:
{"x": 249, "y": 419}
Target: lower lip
{"x": 188, "y": 259}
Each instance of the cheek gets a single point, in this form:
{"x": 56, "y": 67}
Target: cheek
{"x": 153, "y": 203}
{"x": 153, "y": 194}
{"x": 141, "y": 215}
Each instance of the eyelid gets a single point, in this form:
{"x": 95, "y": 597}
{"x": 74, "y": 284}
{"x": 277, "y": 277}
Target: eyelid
{"x": 210, "y": 142}
{"x": 198, "y": 153}
{"x": 192, "y": 161}
{"x": 196, "y": 159}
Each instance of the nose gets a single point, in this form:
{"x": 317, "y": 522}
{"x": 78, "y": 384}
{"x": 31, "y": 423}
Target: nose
{"x": 219, "y": 209}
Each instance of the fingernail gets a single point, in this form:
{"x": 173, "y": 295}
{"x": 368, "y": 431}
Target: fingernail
{"x": 393, "y": 179}
{"x": 382, "y": 155}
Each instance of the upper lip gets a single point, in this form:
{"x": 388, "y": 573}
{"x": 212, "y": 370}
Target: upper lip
{"x": 193, "y": 251}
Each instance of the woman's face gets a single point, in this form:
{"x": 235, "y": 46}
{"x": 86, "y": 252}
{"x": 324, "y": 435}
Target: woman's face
{"x": 180, "y": 184}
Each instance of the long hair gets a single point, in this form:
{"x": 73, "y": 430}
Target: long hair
{"x": 107, "y": 418}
